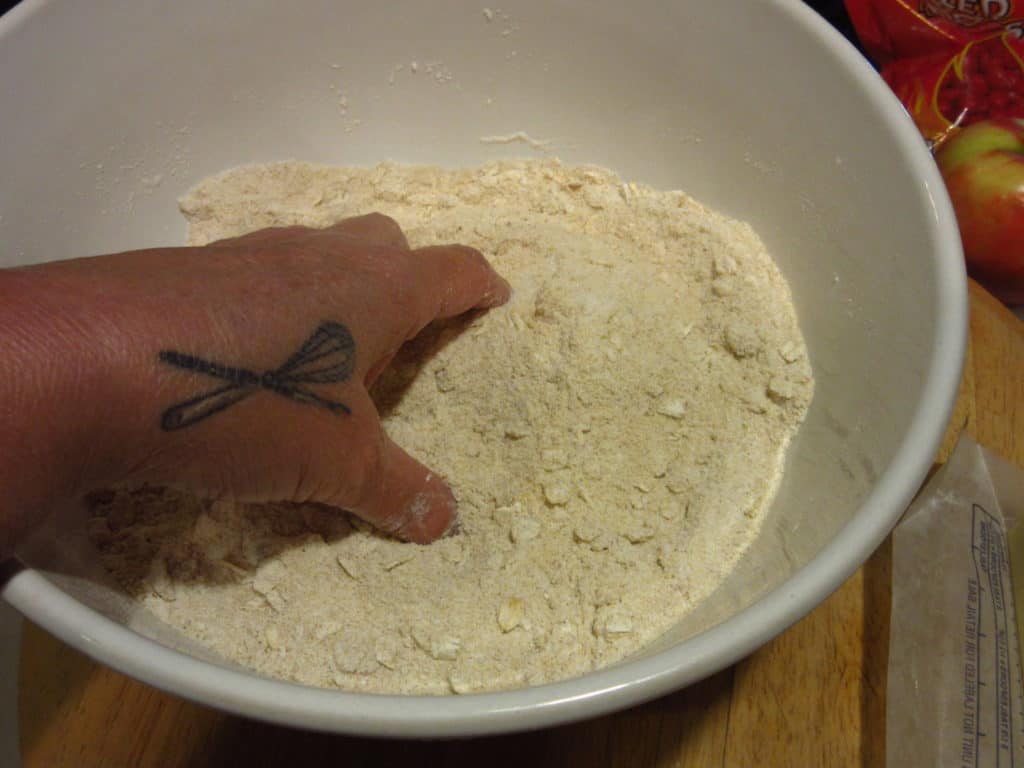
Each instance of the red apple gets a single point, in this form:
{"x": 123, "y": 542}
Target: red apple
{"x": 983, "y": 166}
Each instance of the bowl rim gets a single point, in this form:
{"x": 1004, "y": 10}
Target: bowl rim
{"x": 627, "y": 683}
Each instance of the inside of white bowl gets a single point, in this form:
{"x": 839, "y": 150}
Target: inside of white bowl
{"x": 122, "y": 106}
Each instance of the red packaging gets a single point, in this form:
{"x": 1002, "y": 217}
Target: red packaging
{"x": 951, "y": 62}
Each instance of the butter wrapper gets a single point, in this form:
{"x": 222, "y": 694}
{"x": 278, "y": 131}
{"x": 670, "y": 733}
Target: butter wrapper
{"x": 954, "y": 694}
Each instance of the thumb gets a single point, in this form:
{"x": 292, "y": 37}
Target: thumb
{"x": 405, "y": 498}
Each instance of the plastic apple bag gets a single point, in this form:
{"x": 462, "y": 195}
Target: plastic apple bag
{"x": 951, "y": 62}
{"x": 955, "y": 689}
{"x": 958, "y": 68}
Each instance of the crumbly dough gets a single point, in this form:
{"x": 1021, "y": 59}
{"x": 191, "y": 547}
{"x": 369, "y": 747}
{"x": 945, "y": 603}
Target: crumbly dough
{"x": 613, "y": 436}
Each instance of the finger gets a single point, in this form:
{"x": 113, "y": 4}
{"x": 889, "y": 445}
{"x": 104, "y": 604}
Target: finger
{"x": 374, "y": 229}
{"x": 377, "y": 369}
{"x": 453, "y": 279}
{"x": 265, "y": 236}
{"x": 278, "y": 450}
{"x": 405, "y": 498}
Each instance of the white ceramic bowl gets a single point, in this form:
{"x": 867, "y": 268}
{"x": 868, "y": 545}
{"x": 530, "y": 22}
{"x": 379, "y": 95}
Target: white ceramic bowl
{"x": 113, "y": 108}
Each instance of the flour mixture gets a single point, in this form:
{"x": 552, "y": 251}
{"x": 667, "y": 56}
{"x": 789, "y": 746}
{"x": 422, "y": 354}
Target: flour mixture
{"x": 613, "y": 436}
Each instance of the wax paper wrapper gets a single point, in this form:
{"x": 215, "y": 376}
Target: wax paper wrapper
{"x": 954, "y": 688}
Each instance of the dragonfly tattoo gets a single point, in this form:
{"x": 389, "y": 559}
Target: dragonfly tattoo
{"x": 328, "y": 356}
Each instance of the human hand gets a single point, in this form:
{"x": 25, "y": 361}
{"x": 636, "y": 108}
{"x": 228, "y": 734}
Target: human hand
{"x": 242, "y": 368}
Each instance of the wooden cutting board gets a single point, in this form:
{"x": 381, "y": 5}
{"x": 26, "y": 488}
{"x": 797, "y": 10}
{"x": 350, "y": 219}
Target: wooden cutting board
{"x": 815, "y": 696}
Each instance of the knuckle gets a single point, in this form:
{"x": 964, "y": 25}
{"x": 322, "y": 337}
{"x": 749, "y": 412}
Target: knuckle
{"x": 291, "y": 229}
{"x": 472, "y": 260}
{"x": 372, "y": 228}
{"x": 383, "y": 222}
{"x": 470, "y": 253}
{"x": 307, "y": 486}
{"x": 367, "y": 469}
{"x": 279, "y": 234}
{"x": 400, "y": 275}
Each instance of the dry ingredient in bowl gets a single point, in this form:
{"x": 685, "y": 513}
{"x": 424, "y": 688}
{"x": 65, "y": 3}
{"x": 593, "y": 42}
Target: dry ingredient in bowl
{"x": 613, "y": 436}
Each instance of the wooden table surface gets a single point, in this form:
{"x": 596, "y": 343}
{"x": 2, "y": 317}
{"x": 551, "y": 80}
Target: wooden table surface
{"x": 815, "y": 696}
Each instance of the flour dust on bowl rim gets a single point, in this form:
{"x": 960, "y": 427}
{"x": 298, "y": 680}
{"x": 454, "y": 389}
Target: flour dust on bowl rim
{"x": 759, "y": 110}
